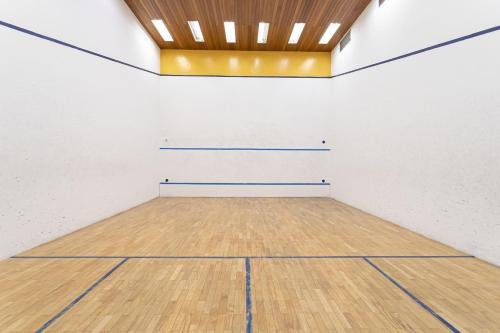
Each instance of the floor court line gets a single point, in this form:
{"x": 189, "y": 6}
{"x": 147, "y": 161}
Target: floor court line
{"x": 413, "y": 297}
{"x": 248, "y": 295}
{"x": 243, "y": 257}
{"x": 80, "y": 297}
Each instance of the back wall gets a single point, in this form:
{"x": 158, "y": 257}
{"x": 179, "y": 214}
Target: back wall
{"x": 216, "y": 112}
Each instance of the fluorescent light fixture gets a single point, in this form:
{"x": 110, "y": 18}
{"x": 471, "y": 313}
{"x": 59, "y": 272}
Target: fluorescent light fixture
{"x": 262, "y": 34}
{"x": 230, "y": 30}
{"x": 162, "y": 30}
{"x": 196, "y": 31}
{"x": 329, "y": 32}
{"x": 296, "y": 32}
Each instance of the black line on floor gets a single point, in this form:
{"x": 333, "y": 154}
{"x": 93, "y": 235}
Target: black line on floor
{"x": 413, "y": 297}
{"x": 79, "y": 298}
{"x": 248, "y": 296}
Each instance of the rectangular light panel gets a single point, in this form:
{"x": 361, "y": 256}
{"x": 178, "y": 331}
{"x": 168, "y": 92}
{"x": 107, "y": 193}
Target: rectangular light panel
{"x": 296, "y": 32}
{"x": 196, "y": 31}
{"x": 262, "y": 34}
{"x": 329, "y": 32}
{"x": 230, "y": 30}
{"x": 162, "y": 30}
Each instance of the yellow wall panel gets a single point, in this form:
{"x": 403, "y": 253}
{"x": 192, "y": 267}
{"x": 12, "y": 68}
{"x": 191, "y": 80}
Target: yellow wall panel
{"x": 245, "y": 63}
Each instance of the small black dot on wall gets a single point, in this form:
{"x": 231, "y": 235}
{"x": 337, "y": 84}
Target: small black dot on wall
{"x": 166, "y": 180}
{"x": 323, "y": 181}
{"x": 324, "y": 141}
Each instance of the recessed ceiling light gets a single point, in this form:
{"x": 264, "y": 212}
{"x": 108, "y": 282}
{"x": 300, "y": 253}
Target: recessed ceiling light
{"x": 230, "y": 30}
{"x": 329, "y": 32}
{"x": 196, "y": 31}
{"x": 296, "y": 32}
{"x": 262, "y": 34}
{"x": 162, "y": 30}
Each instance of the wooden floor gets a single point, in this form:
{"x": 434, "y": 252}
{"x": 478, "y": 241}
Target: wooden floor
{"x": 241, "y": 264}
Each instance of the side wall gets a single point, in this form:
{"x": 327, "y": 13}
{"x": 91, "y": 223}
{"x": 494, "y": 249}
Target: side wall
{"x": 218, "y": 112}
{"x": 77, "y": 132}
{"x": 418, "y": 140}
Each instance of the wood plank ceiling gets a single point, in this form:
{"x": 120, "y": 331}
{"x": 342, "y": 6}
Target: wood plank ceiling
{"x": 281, "y": 14}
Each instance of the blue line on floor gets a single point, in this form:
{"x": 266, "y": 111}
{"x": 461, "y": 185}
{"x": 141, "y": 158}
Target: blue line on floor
{"x": 248, "y": 296}
{"x": 242, "y": 257}
{"x": 128, "y": 257}
{"x": 419, "y": 302}
{"x": 68, "y": 257}
{"x": 79, "y": 298}
{"x": 356, "y": 257}
{"x": 418, "y": 257}
{"x": 187, "y": 257}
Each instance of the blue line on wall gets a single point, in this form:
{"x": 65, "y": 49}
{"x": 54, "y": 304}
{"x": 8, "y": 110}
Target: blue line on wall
{"x": 248, "y": 295}
{"x": 250, "y": 149}
{"x": 57, "y": 41}
{"x": 419, "y": 302}
{"x": 443, "y": 44}
{"x": 79, "y": 298}
{"x": 245, "y": 184}
{"x": 436, "y": 46}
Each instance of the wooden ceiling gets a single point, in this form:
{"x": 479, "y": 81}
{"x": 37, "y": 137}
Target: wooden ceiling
{"x": 281, "y": 14}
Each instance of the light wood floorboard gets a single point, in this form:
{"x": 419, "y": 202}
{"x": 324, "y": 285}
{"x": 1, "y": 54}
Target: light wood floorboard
{"x": 324, "y": 295}
{"x": 209, "y": 295}
{"x": 155, "y": 295}
{"x": 466, "y": 292}
{"x": 242, "y": 227}
{"x": 32, "y": 291}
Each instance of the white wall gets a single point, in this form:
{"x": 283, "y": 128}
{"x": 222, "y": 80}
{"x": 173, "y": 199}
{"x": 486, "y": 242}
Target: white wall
{"x": 414, "y": 141}
{"x": 402, "y": 26}
{"x": 418, "y": 140}
{"x": 244, "y": 112}
{"x": 108, "y": 27}
{"x": 77, "y": 133}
